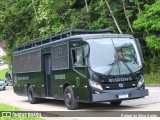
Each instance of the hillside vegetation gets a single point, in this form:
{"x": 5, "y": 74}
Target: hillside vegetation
{"x": 25, "y": 20}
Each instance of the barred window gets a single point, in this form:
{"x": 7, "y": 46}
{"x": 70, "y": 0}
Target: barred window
{"x": 29, "y": 62}
{"x": 60, "y": 57}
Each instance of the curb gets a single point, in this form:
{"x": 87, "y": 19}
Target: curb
{"x": 152, "y": 85}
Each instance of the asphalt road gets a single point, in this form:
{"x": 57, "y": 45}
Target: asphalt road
{"x": 149, "y": 103}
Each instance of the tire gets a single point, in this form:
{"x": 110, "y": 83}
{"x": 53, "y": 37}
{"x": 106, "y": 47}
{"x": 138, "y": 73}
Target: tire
{"x": 31, "y": 98}
{"x": 69, "y": 100}
{"x": 116, "y": 103}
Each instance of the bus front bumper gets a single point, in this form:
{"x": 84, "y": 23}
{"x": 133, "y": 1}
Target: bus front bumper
{"x": 119, "y": 95}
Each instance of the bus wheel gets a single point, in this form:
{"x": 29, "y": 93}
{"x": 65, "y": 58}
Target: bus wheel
{"x": 31, "y": 97}
{"x": 116, "y": 103}
{"x": 69, "y": 99}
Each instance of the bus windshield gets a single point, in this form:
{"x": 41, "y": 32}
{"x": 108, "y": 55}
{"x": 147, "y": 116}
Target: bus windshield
{"x": 114, "y": 56}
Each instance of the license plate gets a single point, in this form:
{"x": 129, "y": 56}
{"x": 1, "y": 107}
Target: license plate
{"x": 123, "y": 95}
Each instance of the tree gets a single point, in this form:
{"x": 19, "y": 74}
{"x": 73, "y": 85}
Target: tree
{"x": 18, "y": 23}
{"x": 24, "y": 20}
{"x": 53, "y": 15}
{"x": 149, "y": 20}
{"x": 116, "y": 23}
{"x": 125, "y": 12}
{"x": 86, "y": 5}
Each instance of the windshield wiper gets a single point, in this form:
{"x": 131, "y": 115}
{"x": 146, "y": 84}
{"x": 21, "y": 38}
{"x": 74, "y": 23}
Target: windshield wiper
{"x": 126, "y": 66}
{"x": 113, "y": 64}
{"x": 116, "y": 61}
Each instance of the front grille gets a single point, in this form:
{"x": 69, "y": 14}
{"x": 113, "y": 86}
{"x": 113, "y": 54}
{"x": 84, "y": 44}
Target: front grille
{"x": 115, "y": 86}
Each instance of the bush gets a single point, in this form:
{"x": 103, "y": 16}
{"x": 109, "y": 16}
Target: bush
{"x": 3, "y": 72}
{"x": 152, "y": 65}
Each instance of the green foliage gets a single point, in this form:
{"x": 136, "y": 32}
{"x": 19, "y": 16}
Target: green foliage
{"x": 152, "y": 65}
{"x": 5, "y": 107}
{"x": 4, "y": 58}
{"x": 100, "y": 16}
{"x": 53, "y": 15}
{"x": 25, "y": 20}
{"x": 17, "y": 23}
{"x": 149, "y": 21}
{"x": 152, "y": 78}
{"x": 2, "y": 73}
{"x": 153, "y": 41}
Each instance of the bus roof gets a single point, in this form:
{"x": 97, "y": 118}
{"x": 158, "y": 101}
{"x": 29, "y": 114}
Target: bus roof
{"x": 82, "y": 35}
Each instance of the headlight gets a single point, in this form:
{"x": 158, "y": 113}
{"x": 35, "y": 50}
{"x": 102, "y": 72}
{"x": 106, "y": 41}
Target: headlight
{"x": 95, "y": 84}
{"x": 140, "y": 82}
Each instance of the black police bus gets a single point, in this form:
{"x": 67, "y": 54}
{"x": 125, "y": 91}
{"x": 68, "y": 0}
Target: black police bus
{"x": 80, "y": 66}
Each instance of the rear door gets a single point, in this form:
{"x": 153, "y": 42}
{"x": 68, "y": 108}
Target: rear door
{"x": 47, "y": 71}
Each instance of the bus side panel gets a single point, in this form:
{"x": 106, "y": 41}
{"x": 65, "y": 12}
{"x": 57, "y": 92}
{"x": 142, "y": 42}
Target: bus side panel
{"x": 18, "y": 86}
{"x": 57, "y": 79}
{"x": 76, "y": 81}
{"x": 81, "y": 82}
{"x": 22, "y": 80}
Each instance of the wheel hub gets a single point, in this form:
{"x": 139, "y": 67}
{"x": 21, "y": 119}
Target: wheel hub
{"x": 30, "y": 96}
{"x": 68, "y": 98}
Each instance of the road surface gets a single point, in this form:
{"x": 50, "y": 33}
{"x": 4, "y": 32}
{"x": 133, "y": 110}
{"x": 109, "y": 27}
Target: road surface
{"x": 149, "y": 103}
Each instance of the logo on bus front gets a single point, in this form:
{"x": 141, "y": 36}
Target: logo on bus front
{"x": 120, "y": 79}
{"x": 121, "y": 85}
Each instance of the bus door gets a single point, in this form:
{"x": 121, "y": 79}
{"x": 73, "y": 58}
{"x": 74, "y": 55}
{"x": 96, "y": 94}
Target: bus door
{"x": 79, "y": 75}
{"x": 47, "y": 73}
